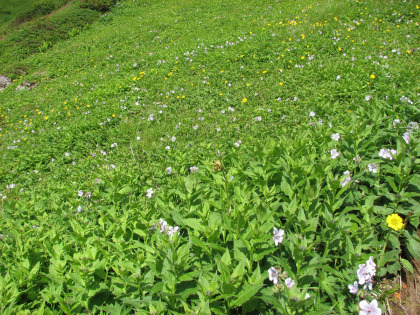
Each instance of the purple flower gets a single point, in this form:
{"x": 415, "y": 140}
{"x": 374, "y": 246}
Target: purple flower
{"x": 353, "y": 288}
{"x": 277, "y": 236}
{"x": 273, "y": 275}
{"x": 289, "y": 282}
{"x": 369, "y": 308}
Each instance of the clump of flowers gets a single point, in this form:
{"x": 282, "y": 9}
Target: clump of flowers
{"x": 334, "y": 153}
{"x": 194, "y": 169}
{"x": 164, "y": 228}
{"x": 274, "y": 275}
{"x": 387, "y": 153}
{"x": 395, "y": 222}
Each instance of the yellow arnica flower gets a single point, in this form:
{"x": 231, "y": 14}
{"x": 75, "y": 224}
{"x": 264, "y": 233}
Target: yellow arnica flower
{"x": 395, "y": 222}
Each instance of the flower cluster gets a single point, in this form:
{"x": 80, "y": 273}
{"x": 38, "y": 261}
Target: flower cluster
{"x": 164, "y": 228}
{"x": 365, "y": 273}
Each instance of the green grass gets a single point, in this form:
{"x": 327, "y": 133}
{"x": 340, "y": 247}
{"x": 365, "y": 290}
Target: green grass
{"x": 154, "y": 85}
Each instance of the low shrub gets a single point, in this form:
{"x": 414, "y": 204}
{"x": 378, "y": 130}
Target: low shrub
{"x": 98, "y": 5}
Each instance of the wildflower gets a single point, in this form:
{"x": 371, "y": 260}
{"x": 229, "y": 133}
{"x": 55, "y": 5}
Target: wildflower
{"x": 113, "y": 145}
{"x": 396, "y": 122}
{"x": 163, "y": 225}
{"x": 79, "y": 209}
{"x": 366, "y": 272}
{"x": 338, "y": 77}
{"x": 387, "y": 154}
{"x": 259, "y": 118}
{"x": 406, "y": 137}
{"x": 149, "y": 193}
{"x": 373, "y": 168}
{"x": 273, "y": 275}
{"x": 238, "y": 143}
{"x": 312, "y": 114}
{"x": 395, "y": 222}
{"x": 173, "y": 139}
{"x": 345, "y": 181}
{"x": 167, "y": 147}
{"x": 244, "y": 100}
{"x": 367, "y": 98}
{"x": 307, "y": 296}
{"x": 289, "y": 282}
{"x": 193, "y": 169}
{"x": 80, "y": 193}
{"x": 172, "y": 230}
{"x": 278, "y": 236}
{"x": 412, "y": 125}
{"x": 354, "y": 288}
{"x": 334, "y": 153}
{"x": 169, "y": 170}
{"x": 369, "y": 308}
{"x": 66, "y": 153}
{"x": 357, "y": 159}
{"x": 335, "y": 136}
{"x": 195, "y": 127}
{"x": 372, "y": 76}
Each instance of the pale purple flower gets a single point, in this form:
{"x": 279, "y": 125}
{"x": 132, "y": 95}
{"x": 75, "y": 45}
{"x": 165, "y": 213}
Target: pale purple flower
{"x": 289, "y": 282}
{"x": 169, "y": 170}
{"x": 163, "y": 225}
{"x": 371, "y": 308}
{"x": 195, "y": 127}
{"x": 172, "y": 230}
{"x": 193, "y": 169}
{"x": 396, "y": 122}
{"x": 167, "y": 147}
{"x": 79, "y": 209}
{"x": 173, "y": 139}
{"x": 273, "y": 275}
{"x": 278, "y": 236}
{"x": 406, "y": 137}
{"x": 387, "y": 154}
{"x": 354, "y": 288}
{"x": 149, "y": 193}
{"x": 334, "y": 153}
{"x": 335, "y": 136}
{"x": 357, "y": 159}
{"x": 373, "y": 168}
{"x": 345, "y": 181}
{"x": 259, "y": 118}
{"x": 367, "y": 98}
{"x": 80, "y": 193}
{"x": 312, "y": 114}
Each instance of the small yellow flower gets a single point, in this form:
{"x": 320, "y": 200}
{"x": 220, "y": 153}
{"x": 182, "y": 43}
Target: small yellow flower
{"x": 244, "y": 100}
{"x": 395, "y": 222}
{"x": 372, "y": 76}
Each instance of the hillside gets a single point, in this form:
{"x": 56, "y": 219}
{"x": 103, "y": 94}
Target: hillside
{"x": 190, "y": 156}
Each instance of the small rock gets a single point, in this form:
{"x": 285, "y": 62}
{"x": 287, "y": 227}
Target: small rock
{"x": 4, "y": 82}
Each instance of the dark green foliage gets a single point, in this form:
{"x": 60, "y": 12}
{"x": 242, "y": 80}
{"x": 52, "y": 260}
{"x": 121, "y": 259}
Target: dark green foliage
{"x": 98, "y": 5}
{"x": 39, "y": 10}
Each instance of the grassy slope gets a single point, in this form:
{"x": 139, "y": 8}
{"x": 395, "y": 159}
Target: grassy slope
{"x": 89, "y": 86}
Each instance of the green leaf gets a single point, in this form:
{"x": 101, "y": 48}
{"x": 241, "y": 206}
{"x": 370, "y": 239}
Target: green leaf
{"x": 407, "y": 265}
{"x": 246, "y": 293}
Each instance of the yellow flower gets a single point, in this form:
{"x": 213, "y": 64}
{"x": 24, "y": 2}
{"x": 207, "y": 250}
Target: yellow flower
{"x": 372, "y": 76}
{"x": 395, "y": 222}
{"x": 244, "y": 100}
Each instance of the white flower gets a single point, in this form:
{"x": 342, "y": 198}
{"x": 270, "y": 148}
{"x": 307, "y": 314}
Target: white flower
{"x": 354, "y": 288}
{"x": 278, "y": 236}
{"x": 218, "y": 129}
{"x": 149, "y": 192}
{"x": 138, "y": 138}
{"x": 169, "y": 170}
{"x": 357, "y": 159}
{"x": 66, "y": 153}
{"x": 312, "y": 114}
{"x": 366, "y": 272}
{"x": 345, "y": 181}
{"x": 113, "y": 145}
{"x": 367, "y": 98}
{"x": 406, "y": 137}
{"x": 195, "y": 127}
{"x": 273, "y": 275}
{"x": 79, "y": 209}
{"x": 396, "y": 122}
{"x": 335, "y": 136}
{"x": 173, "y": 139}
{"x": 289, "y": 282}
{"x": 334, "y": 153}
{"x": 338, "y": 77}
{"x": 369, "y": 308}
{"x": 346, "y": 173}
{"x": 193, "y": 169}
{"x": 387, "y": 154}
{"x": 172, "y": 230}
{"x": 238, "y": 143}
{"x": 307, "y": 296}
{"x": 163, "y": 225}
{"x": 259, "y": 118}
{"x": 80, "y": 193}
{"x": 167, "y": 147}
{"x": 373, "y": 168}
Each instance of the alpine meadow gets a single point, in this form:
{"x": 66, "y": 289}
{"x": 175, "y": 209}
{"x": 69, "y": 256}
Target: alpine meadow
{"x": 209, "y": 156}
